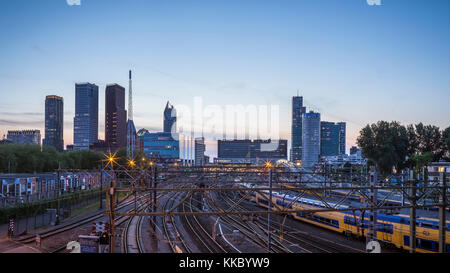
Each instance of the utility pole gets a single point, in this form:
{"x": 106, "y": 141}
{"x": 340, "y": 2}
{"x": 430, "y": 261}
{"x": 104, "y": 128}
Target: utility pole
{"x": 111, "y": 194}
{"x": 373, "y": 202}
{"x": 155, "y": 185}
{"x": 443, "y": 205}
{"x": 58, "y": 185}
{"x": 101, "y": 187}
{"x": 270, "y": 208}
{"x": 412, "y": 214}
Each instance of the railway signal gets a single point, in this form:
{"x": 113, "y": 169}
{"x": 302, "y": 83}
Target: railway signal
{"x": 104, "y": 239}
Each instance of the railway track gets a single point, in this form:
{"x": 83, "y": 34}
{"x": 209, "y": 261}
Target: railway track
{"x": 131, "y": 235}
{"x": 203, "y": 236}
{"x": 311, "y": 242}
{"x": 177, "y": 244}
{"x": 61, "y": 244}
{"x": 254, "y": 233}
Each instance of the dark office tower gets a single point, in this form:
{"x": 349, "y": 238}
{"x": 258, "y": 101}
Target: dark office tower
{"x": 329, "y": 138}
{"x": 342, "y": 137}
{"x": 115, "y": 117}
{"x": 170, "y": 119}
{"x": 54, "y": 122}
{"x": 200, "y": 151}
{"x": 297, "y": 112}
{"x": 85, "y": 127}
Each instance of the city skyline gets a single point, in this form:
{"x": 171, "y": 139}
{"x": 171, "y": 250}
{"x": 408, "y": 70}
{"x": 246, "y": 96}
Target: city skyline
{"x": 395, "y": 55}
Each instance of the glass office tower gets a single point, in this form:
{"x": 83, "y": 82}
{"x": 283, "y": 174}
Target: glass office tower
{"x": 54, "y": 122}
{"x": 311, "y": 139}
{"x": 85, "y": 128}
{"x": 115, "y": 117}
{"x": 297, "y": 112}
{"x": 329, "y": 138}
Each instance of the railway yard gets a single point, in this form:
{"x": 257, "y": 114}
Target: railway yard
{"x": 229, "y": 211}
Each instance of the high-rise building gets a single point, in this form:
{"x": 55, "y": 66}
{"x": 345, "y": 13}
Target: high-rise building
{"x": 342, "y": 137}
{"x": 329, "y": 138}
{"x": 32, "y": 137}
{"x": 248, "y": 151}
{"x": 170, "y": 118}
{"x": 296, "y": 141}
{"x": 115, "y": 117}
{"x": 85, "y": 128}
{"x": 54, "y": 122}
{"x": 311, "y": 139}
{"x": 200, "y": 149}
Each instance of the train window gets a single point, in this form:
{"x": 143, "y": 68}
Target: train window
{"x": 426, "y": 225}
{"x": 426, "y": 244}
{"x": 406, "y": 240}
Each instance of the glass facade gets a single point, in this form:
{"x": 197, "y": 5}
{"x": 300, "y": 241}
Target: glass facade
{"x": 160, "y": 145}
{"x": 329, "y": 138}
{"x": 54, "y": 122}
{"x": 297, "y": 112}
{"x": 170, "y": 119}
{"x": 342, "y": 137}
{"x": 251, "y": 151}
{"x": 311, "y": 139}
{"x": 86, "y": 116}
{"x": 115, "y": 117}
{"x": 32, "y": 137}
{"x": 200, "y": 151}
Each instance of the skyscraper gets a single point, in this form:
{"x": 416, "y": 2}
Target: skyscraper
{"x": 342, "y": 137}
{"x": 329, "y": 138}
{"x": 311, "y": 139}
{"x": 54, "y": 122}
{"x": 85, "y": 128}
{"x": 170, "y": 118}
{"x": 297, "y": 112}
{"x": 115, "y": 117}
{"x": 200, "y": 151}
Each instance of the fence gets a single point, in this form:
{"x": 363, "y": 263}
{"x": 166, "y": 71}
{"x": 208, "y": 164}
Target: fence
{"x": 31, "y": 216}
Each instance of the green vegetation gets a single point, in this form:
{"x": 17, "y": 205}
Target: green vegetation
{"x": 31, "y": 159}
{"x": 391, "y": 144}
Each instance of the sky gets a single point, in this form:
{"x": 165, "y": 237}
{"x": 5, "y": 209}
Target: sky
{"x": 351, "y": 61}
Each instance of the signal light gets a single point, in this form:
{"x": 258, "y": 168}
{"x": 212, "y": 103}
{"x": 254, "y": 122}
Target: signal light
{"x": 104, "y": 239}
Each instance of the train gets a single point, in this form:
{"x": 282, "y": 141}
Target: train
{"x": 392, "y": 230}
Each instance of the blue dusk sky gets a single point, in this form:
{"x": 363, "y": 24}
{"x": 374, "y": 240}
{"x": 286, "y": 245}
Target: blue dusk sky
{"x": 351, "y": 61}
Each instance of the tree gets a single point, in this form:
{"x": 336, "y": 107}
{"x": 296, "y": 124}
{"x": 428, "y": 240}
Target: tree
{"x": 384, "y": 143}
{"x": 429, "y": 139}
{"x": 31, "y": 159}
{"x": 422, "y": 160}
{"x": 446, "y": 139}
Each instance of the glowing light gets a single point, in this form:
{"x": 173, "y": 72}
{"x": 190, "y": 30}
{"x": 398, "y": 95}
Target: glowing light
{"x": 131, "y": 163}
{"x": 110, "y": 159}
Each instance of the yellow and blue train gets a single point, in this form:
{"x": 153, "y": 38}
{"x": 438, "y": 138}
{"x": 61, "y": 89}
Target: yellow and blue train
{"x": 391, "y": 229}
